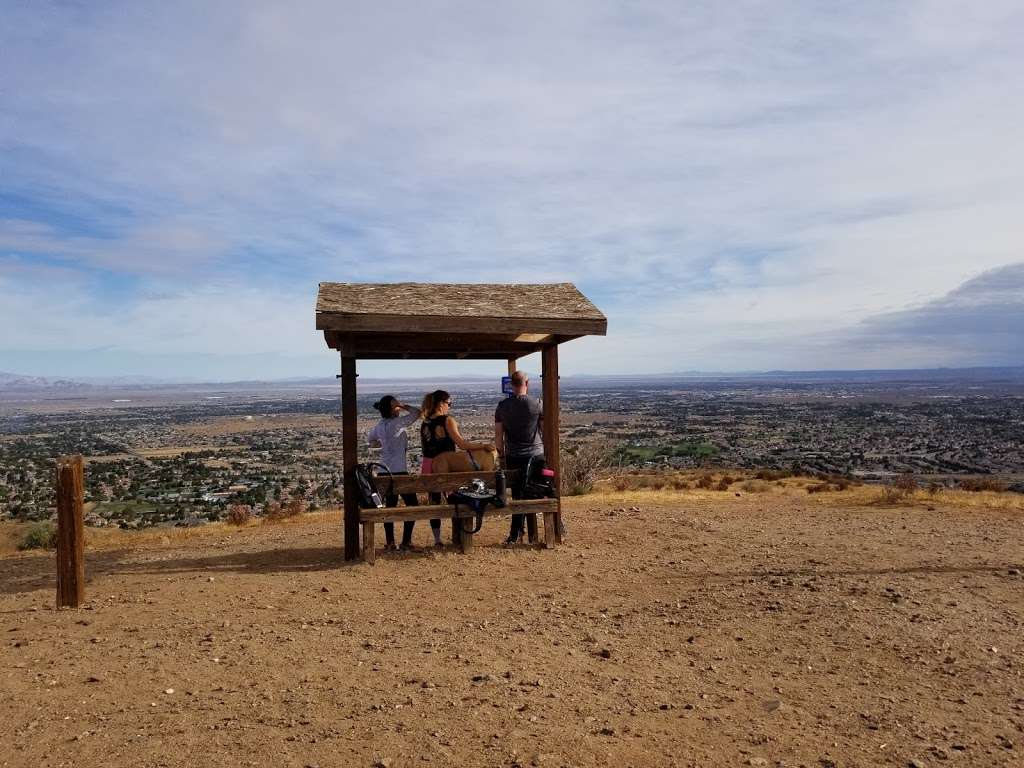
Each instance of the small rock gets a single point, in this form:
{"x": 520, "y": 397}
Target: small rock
{"x": 772, "y": 704}
{"x": 169, "y": 691}
{"x": 605, "y": 653}
{"x": 384, "y": 762}
{"x": 915, "y": 764}
{"x": 1014, "y": 572}
{"x": 324, "y": 589}
{"x": 210, "y": 578}
{"x": 94, "y": 679}
{"x": 756, "y": 760}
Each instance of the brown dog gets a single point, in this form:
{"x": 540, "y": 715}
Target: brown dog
{"x": 459, "y": 461}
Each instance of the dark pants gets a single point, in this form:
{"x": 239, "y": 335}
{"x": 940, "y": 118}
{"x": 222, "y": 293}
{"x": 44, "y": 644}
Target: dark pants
{"x": 520, "y": 462}
{"x": 391, "y": 500}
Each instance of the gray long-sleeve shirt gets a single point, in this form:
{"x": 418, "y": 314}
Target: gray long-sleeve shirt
{"x": 393, "y": 439}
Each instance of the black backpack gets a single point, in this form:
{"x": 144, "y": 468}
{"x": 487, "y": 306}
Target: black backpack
{"x": 534, "y": 485}
{"x": 366, "y": 484}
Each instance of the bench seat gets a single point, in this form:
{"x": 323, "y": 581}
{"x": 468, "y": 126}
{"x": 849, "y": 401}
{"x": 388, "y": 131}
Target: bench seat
{"x": 369, "y": 518}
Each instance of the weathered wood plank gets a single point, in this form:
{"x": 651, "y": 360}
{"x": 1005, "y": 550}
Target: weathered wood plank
{"x": 550, "y": 530}
{"x": 442, "y": 482}
{"x": 447, "y": 511}
{"x": 349, "y": 448}
{"x": 349, "y": 322}
{"x": 70, "y": 488}
{"x": 369, "y": 534}
{"x": 552, "y": 424}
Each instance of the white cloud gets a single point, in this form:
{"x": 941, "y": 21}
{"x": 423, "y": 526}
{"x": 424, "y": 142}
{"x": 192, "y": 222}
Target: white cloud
{"x": 708, "y": 173}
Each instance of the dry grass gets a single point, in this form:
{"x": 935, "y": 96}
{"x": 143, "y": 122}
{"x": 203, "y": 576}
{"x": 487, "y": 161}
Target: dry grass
{"x": 102, "y": 539}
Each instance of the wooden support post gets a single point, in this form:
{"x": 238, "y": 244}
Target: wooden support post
{"x": 465, "y": 525}
{"x": 549, "y": 371}
{"x": 349, "y": 455}
{"x": 70, "y": 532}
{"x": 550, "y": 528}
{"x": 369, "y": 546}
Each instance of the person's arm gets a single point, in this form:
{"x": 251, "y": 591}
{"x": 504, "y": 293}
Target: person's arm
{"x": 453, "y": 430}
{"x": 499, "y": 437}
{"x": 373, "y": 438}
{"x": 409, "y": 418}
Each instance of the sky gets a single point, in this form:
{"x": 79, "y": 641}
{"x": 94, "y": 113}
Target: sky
{"x": 738, "y": 186}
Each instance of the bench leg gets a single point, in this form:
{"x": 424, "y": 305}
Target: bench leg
{"x": 465, "y": 537}
{"x": 531, "y": 527}
{"x": 550, "y": 537}
{"x": 368, "y": 543}
{"x": 456, "y": 533}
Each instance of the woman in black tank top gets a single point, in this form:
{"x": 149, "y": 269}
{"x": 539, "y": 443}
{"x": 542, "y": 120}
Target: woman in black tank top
{"x": 434, "y": 436}
{"x": 439, "y": 433}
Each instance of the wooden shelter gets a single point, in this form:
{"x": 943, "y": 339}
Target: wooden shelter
{"x": 430, "y": 321}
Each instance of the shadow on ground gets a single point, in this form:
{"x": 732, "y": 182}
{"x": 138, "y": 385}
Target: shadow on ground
{"x": 28, "y": 574}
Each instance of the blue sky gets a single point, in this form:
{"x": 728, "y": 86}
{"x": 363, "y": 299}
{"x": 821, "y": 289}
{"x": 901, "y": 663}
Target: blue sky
{"x": 743, "y": 185}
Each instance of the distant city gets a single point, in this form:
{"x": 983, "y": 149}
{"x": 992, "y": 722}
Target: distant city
{"x": 182, "y": 454}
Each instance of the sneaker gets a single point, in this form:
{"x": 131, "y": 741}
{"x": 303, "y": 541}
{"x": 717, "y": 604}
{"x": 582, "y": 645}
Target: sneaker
{"x": 438, "y": 545}
{"x": 390, "y": 547}
{"x": 409, "y": 548}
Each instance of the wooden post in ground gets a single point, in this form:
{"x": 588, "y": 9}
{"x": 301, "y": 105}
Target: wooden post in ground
{"x": 549, "y": 369}
{"x": 349, "y": 455}
{"x": 70, "y": 532}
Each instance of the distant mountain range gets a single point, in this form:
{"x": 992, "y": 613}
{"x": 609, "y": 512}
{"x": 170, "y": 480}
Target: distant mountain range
{"x": 13, "y": 382}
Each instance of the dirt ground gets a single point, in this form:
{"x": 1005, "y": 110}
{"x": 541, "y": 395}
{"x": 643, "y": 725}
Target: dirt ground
{"x": 697, "y": 631}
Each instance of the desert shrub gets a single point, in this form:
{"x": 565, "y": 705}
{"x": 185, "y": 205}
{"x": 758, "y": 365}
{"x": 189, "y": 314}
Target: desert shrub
{"x": 679, "y": 484}
{"x": 978, "y": 484}
{"x": 580, "y": 466}
{"x": 934, "y": 488}
{"x": 276, "y": 512}
{"x": 39, "y": 536}
{"x": 755, "y": 486}
{"x": 819, "y": 487}
{"x": 239, "y": 514}
{"x": 906, "y": 483}
{"x": 705, "y": 482}
{"x": 621, "y": 483}
{"x": 899, "y": 489}
{"x": 724, "y": 483}
{"x": 772, "y": 474}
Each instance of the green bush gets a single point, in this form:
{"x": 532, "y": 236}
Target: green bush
{"x": 39, "y": 536}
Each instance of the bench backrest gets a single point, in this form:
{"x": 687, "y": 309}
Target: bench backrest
{"x": 443, "y": 482}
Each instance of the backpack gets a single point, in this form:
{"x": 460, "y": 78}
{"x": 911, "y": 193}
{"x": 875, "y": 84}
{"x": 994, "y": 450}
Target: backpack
{"x": 366, "y": 484}
{"x": 476, "y": 496}
{"x": 533, "y": 484}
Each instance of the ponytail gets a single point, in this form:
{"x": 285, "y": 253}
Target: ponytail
{"x": 431, "y": 401}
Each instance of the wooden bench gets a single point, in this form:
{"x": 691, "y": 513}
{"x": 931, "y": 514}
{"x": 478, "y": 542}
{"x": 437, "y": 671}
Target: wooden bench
{"x": 447, "y": 482}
